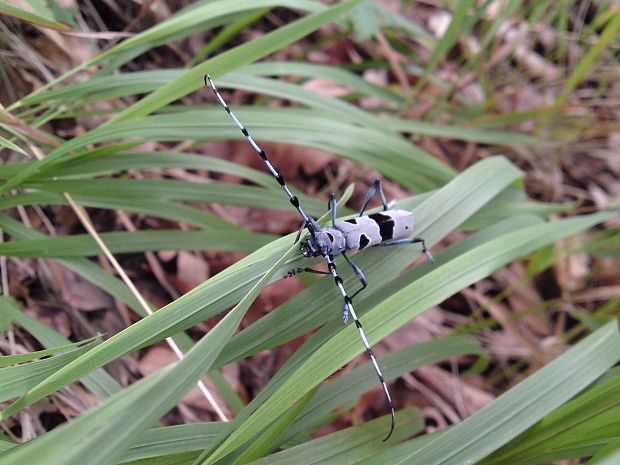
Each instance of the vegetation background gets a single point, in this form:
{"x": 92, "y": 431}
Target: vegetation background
{"x": 127, "y": 189}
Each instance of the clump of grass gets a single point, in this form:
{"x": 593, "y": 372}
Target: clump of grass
{"x": 501, "y": 120}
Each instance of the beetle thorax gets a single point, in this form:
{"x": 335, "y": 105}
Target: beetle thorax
{"x": 327, "y": 241}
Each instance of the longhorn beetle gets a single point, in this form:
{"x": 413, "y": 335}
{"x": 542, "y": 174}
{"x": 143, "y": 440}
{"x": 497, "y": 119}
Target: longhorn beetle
{"x": 389, "y": 227}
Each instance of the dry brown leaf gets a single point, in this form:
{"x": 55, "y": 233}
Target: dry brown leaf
{"x": 82, "y": 294}
{"x": 160, "y": 356}
{"x": 571, "y": 270}
{"x": 192, "y": 270}
{"x": 325, "y": 87}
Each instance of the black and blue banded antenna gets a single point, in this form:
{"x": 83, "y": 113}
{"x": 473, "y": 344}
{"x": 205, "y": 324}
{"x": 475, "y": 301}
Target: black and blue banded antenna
{"x": 386, "y": 228}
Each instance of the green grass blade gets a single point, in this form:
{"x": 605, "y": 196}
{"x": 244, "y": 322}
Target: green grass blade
{"x": 38, "y": 20}
{"x": 164, "y": 189}
{"x": 227, "y": 34}
{"x": 16, "y": 380}
{"x": 89, "y": 164}
{"x": 585, "y": 64}
{"x": 172, "y": 440}
{"x": 11, "y": 146}
{"x": 338, "y": 109}
{"x": 350, "y": 386}
{"x": 341, "y": 110}
{"x": 185, "y": 22}
{"x": 125, "y": 84}
{"x": 608, "y": 455}
{"x": 575, "y": 430}
{"x": 232, "y": 59}
{"x": 107, "y": 87}
{"x": 106, "y": 431}
{"x": 98, "y": 381}
{"x": 80, "y": 245}
{"x": 348, "y": 445}
{"x": 532, "y": 399}
{"x": 7, "y": 360}
{"x": 157, "y": 208}
{"x": 267, "y": 439}
{"x": 469, "y": 133}
{"x": 458, "y": 27}
{"x": 554, "y": 379}
{"x": 384, "y": 151}
{"x": 311, "y": 70}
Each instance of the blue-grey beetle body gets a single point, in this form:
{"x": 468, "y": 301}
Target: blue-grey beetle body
{"x": 360, "y": 233}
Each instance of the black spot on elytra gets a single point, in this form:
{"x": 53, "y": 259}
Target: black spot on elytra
{"x": 386, "y": 225}
{"x": 352, "y": 221}
{"x": 364, "y": 241}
